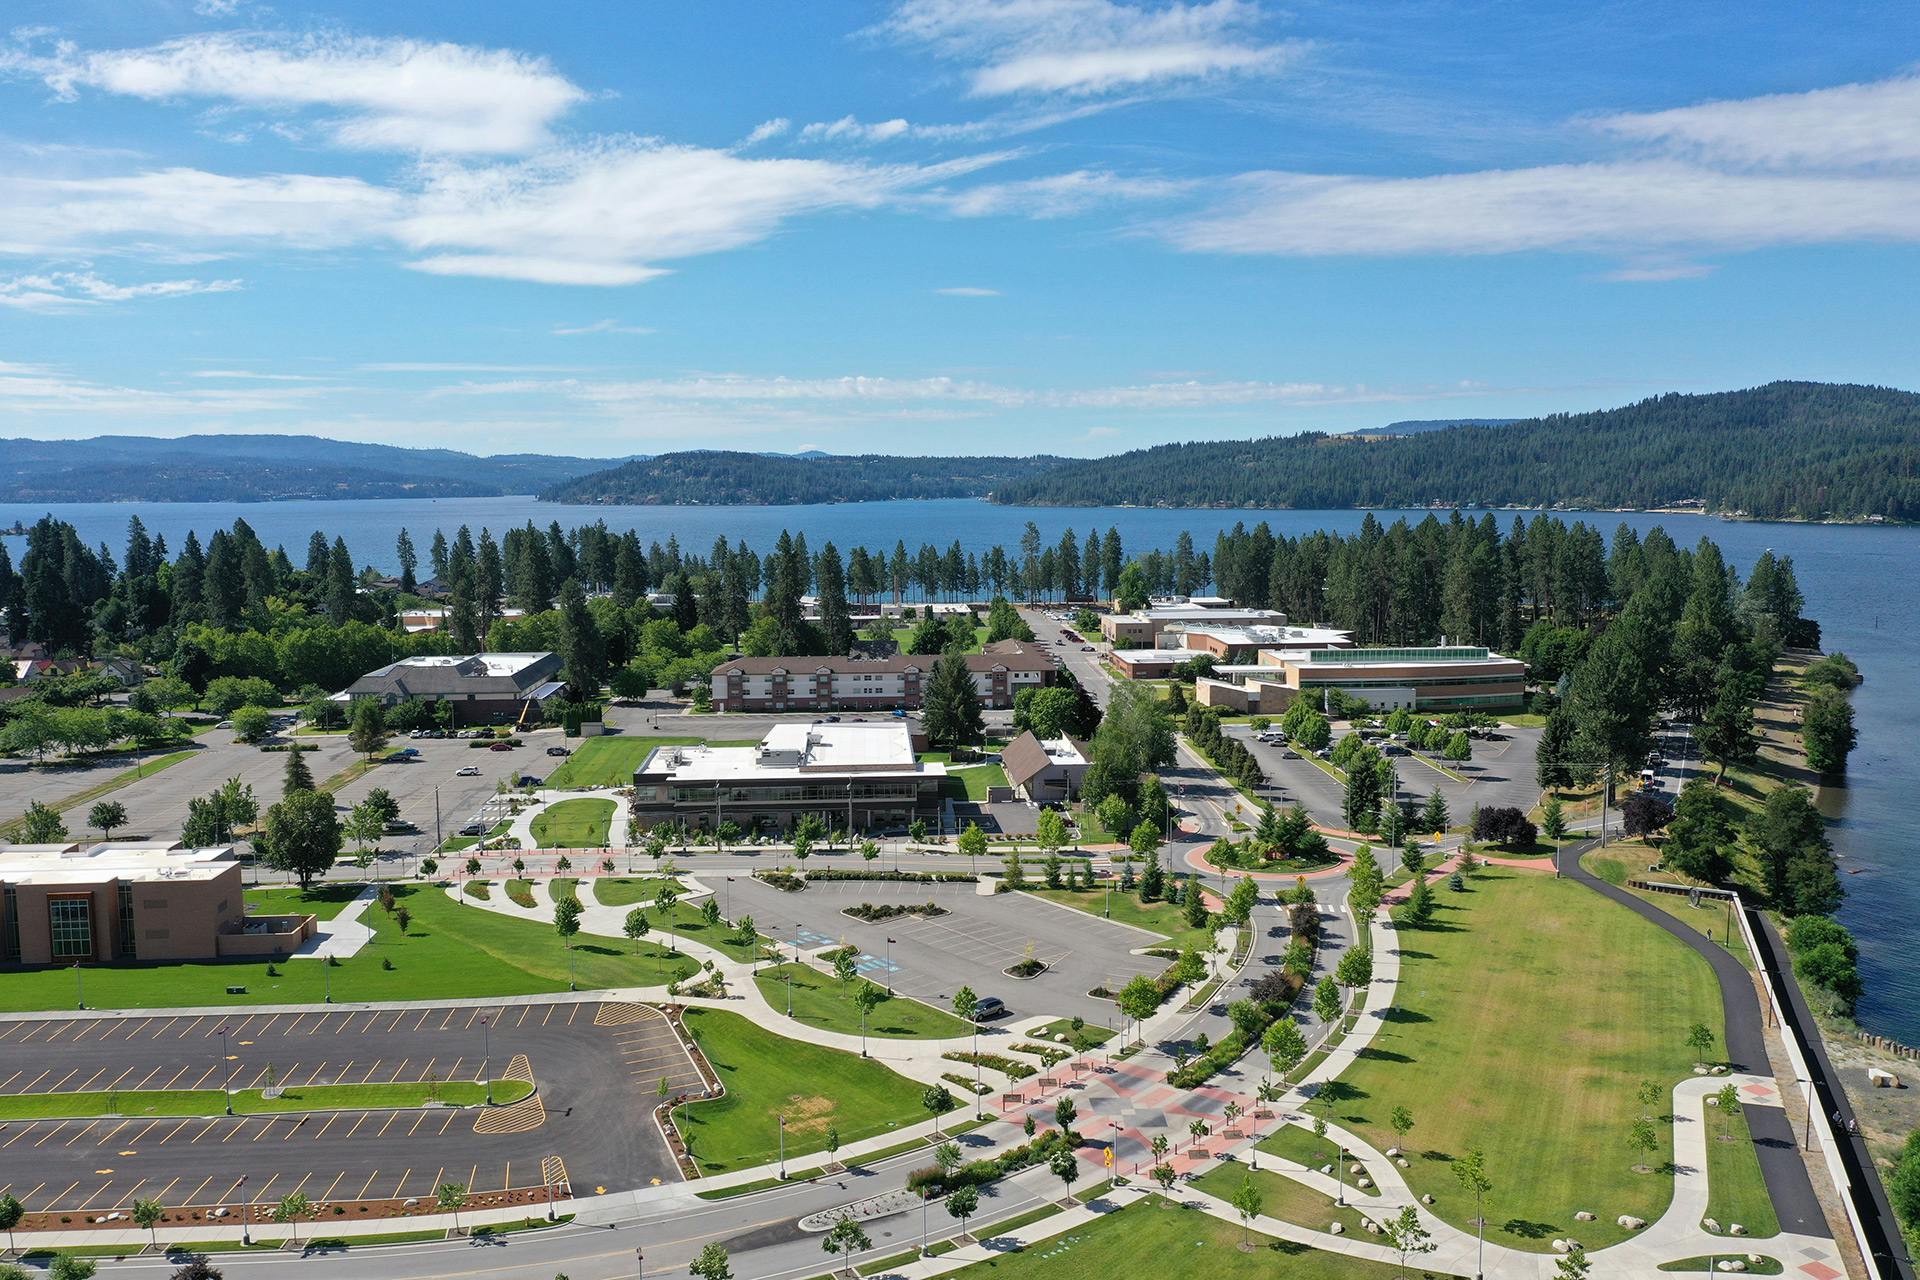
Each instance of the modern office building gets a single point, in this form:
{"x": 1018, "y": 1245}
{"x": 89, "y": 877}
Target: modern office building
{"x": 1242, "y": 643}
{"x": 859, "y": 776}
{"x": 482, "y": 688}
{"x": 73, "y": 903}
{"x": 1046, "y": 771}
{"x": 1457, "y": 678}
{"x": 1158, "y": 626}
{"x": 869, "y": 684}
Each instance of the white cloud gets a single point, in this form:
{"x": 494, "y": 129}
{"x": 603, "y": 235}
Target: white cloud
{"x": 1658, "y": 272}
{"x": 767, "y": 129}
{"x": 247, "y": 375}
{"x": 75, "y": 290}
{"x": 1606, "y": 207}
{"x": 607, "y": 215}
{"x": 1847, "y": 126}
{"x": 218, "y": 8}
{"x": 848, "y": 129}
{"x": 438, "y": 366}
{"x": 30, "y": 390}
{"x": 1088, "y": 47}
{"x": 598, "y": 326}
{"x": 399, "y": 95}
{"x": 1061, "y": 195}
{"x": 967, "y": 291}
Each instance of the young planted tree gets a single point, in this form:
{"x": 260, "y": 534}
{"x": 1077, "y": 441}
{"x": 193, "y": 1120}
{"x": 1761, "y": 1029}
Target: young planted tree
{"x": 1643, "y": 1138}
{"x": 11, "y": 1211}
{"x": 148, "y": 1214}
{"x": 1246, "y": 1202}
{"x": 1285, "y": 1045}
{"x": 105, "y": 816}
{"x": 290, "y": 1210}
{"x": 1700, "y": 1039}
{"x": 962, "y": 1204}
{"x": 451, "y": 1197}
{"x": 1065, "y": 1165}
{"x": 566, "y": 923}
{"x": 1470, "y": 1170}
{"x": 1402, "y": 1122}
{"x": 711, "y": 1263}
{"x": 636, "y": 926}
{"x": 1407, "y": 1235}
{"x": 1326, "y": 1000}
{"x": 846, "y": 1238}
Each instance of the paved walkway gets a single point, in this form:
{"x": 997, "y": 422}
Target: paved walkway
{"x": 345, "y": 934}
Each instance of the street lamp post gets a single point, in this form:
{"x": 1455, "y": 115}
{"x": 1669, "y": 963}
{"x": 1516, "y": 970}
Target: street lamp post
{"x": 226, "y": 1080}
{"x": 1340, "y": 1171}
{"x": 326, "y": 970}
{"x": 79, "y": 986}
{"x": 246, "y": 1210}
{"x": 783, "y": 1148}
{"x": 889, "y": 966}
{"x": 486, "y": 1056}
{"x": 640, "y": 1263}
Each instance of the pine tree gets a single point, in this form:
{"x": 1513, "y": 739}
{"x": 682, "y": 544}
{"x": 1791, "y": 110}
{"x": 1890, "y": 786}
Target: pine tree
{"x": 297, "y": 776}
{"x": 1434, "y": 817}
{"x": 951, "y": 704}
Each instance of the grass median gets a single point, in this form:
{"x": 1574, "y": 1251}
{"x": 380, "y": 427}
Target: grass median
{"x": 254, "y": 1102}
{"x": 573, "y": 824}
{"x": 1163, "y": 918}
{"x": 820, "y": 1000}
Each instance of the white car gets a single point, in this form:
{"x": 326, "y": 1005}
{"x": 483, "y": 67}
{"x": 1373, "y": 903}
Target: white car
{"x": 471, "y": 771}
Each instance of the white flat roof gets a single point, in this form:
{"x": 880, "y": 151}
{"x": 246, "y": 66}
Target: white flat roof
{"x": 497, "y": 664}
{"x": 799, "y": 749}
{"x": 1297, "y": 637}
{"x": 80, "y": 864}
{"x": 1159, "y": 655}
{"x": 1062, "y": 751}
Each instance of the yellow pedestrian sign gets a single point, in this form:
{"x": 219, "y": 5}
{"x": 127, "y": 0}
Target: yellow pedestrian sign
{"x": 1109, "y": 1157}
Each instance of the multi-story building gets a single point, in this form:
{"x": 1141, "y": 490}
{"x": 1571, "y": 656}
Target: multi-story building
{"x": 1457, "y": 678}
{"x": 869, "y": 684}
{"x": 1158, "y": 626}
{"x": 481, "y": 688}
{"x": 852, "y": 776}
{"x": 1240, "y": 644}
{"x": 73, "y": 903}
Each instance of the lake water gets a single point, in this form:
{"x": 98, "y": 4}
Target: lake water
{"x": 1862, "y": 583}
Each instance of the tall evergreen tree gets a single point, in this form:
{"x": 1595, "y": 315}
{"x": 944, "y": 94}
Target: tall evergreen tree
{"x": 951, "y": 704}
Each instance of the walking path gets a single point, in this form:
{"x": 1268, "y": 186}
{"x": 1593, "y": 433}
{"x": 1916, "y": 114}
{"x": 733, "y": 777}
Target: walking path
{"x": 345, "y": 934}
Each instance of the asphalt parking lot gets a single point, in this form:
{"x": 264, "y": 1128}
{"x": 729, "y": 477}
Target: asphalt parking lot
{"x": 597, "y": 1067}
{"x": 972, "y": 945}
{"x": 1500, "y": 773}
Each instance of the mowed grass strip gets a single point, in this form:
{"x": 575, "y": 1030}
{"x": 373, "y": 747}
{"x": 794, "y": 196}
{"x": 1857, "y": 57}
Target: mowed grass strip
{"x": 573, "y": 824}
{"x": 821, "y": 1000}
{"x": 1526, "y": 1015}
{"x": 768, "y": 1076}
{"x": 1283, "y": 1198}
{"x": 451, "y": 950}
{"x": 1153, "y": 1238}
{"x": 253, "y": 1102}
{"x": 632, "y": 891}
{"x": 610, "y": 762}
{"x": 1736, "y": 1189}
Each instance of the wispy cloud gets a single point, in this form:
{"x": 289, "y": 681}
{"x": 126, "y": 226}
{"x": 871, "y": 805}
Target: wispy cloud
{"x": 967, "y": 291}
{"x": 598, "y": 326}
{"x": 1061, "y": 195}
{"x": 767, "y": 130}
{"x": 79, "y": 290}
{"x": 1847, "y": 126}
{"x": 397, "y": 95}
{"x": 441, "y": 366}
{"x": 1089, "y": 47}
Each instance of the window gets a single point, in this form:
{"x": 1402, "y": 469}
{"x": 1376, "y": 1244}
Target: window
{"x": 10, "y": 926}
{"x": 127, "y": 950}
{"x": 70, "y": 925}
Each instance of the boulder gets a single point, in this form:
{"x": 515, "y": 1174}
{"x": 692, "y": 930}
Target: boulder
{"x": 1393, "y": 1151}
{"x": 1732, "y": 1264}
{"x": 1712, "y": 1101}
{"x": 1338, "y": 1228}
{"x": 1631, "y": 1223}
{"x": 1365, "y": 1184}
{"x": 1562, "y": 1246}
{"x": 1585, "y": 1215}
{"x": 1755, "y": 1258}
{"x": 1722, "y": 1070}
{"x": 1401, "y": 1161}
{"x": 1710, "y": 1224}
{"x": 1426, "y": 1199}
{"x": 1699, "y": 1070}
{"x": 1373, "y": 1228}
{"x": 1356, "y": 1169}
{"x": 1737, "y": 1230}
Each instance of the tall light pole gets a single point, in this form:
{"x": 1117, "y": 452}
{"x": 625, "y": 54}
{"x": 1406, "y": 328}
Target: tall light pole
{"x": 1340, "y": 1171}
{"x": 79, "y": 986}
{"x": 246, "y": 1210}
{"x": 226, "y": 1081}
{"x": 783, "y": 1148}
{"x": 486, "y": 1056}
{"x": 640, "y": 1263}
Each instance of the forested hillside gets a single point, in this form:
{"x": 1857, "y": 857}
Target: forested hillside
{"x": 1791, "y": 450}
{"x": 715, "y": 478}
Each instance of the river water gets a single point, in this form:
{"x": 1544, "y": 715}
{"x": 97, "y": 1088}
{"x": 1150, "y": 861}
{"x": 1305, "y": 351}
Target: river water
{"x": 1862, "y": 584}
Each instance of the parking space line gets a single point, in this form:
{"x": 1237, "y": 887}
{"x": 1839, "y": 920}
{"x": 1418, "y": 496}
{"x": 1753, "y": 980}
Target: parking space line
{"x": 91, "y": 1124}
{"x": 453, "y": 1072}
{"x": 267, "y": 1025}
{"x": 396, "y": 1020}
{"x": 473, "y": 1176}
{"x": 369, "y": 1185}
{"x": 448, "y": 1020}
{"x": 315, "y": 1074}
{"x": 428, "y": 1069}
{"x": 58, "y": 1031}
{"x": 418, "y": 1121}
{"x": 189, "y": 1027}
{"x": 82, "y": 1034}
{"x": 446, "y": 1124}
{"x": 117, "y": 1079}
{"x": 54, "y": 1201}
{"x": 134, "y": 1141}
{"x": 203, "y": 1133}
{"x": 391, "y": 1117}
{"x": 371, "y": 1019}
{"x": 396, "y": 1071}
{"x": 12, "y": 1027}
{"x": 572, "y": 1013}
{"x": 398, "y": 1185}
{"x": 331, "y": 1121}
{"x": 423, "y": 1019}
{"x": 237, "y": 1030}
{"x": 161, "y": 1194}
{"x": 370, "y": 1070}
{"x": 331, "y": 1185}
{"x": 194, "y": 1194}
{"x": 299, "y": 1184}
{"x": 28, "y": 1087}
{"x": 260, "y": 1196}
{"x": 143, "y": 1079}
{"x": 265, "y": 1129}
{"x": 24, "y": 1131}
{"x": 238, "y": 1125}
{"x": 544, "y": 1021}
{"x": 525, "y": 1009}
{"x": 433, "y": 1183}
{"x": 226, "y": 1195}
{"x": 294, "y": 1131}
{"x": 55, "y": 1086}
{"x": 36, "y": 1030}
{"x": 173, "y": 1131}
{"x": 161, "y": 1029}
{"x": 175, "y": 1076}
{"x": 470, "y": 1018}
{"x": 507, "y": 1180}
{"x": 204, "y": 1076}
{"x": 87, "y": 1086}
{"x": 98, "y": 1192}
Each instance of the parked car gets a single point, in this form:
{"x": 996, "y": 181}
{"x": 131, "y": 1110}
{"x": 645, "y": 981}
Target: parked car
{"x": 500, "y": 746}
{"x": 558, "y": 751}
{"x": 400, "y": 826}
{"x": 988, "y": 1008}
{"x": 1086, "y": 648}
{"x": 470, "y": 771}
{"x": 473, "y": 829}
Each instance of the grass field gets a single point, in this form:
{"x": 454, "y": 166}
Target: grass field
{"x": 251, "y": 1102}
{"x": 902, "y": 635}
{"x": 766, "y": 1076}
{"x": 627, "y": 891}
{"x": 520, "y": 893}
{"x": 1737, "y": 1191}
{"x": 1630, "y": 859}
{"x": 1064, "y": 1027}
{"x": 450, "y": 950}
{"x": 970, "y": 782}
{"x": 1296, "y": 1143}
{"x": 820, "y": 1001}
{"x": 573, "y": 824}
{"x": 610, "y": 761}
{"x": 1526, "y": 1015}
{"x": 1157, "y": 917}
{"x": 324, "y": 901}
{"x": 1283, "y": 1198}
{"x": 1152, "y": 1238}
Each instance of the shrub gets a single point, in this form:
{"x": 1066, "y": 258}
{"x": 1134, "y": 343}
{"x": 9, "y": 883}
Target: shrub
{"x": 1504, "y": 826}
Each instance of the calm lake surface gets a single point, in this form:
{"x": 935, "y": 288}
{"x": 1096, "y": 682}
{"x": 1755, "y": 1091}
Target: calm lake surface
{"x": 1862, "y": 583}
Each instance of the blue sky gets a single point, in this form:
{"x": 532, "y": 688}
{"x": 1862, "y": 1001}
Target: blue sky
{"x": 938, "y": 226}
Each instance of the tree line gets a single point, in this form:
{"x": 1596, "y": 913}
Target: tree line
{"x": 717, "y": 478}
{"x": 1787, "y": 450}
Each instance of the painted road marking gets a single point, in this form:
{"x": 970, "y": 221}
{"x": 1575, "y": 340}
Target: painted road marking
{"x": 171, "y": 1132}
{"x": 368, "y": 1186}
{"x": 389, "y": 1124}
{"x": 331, "y": 1121}
{"x": 192, "y": 1196}
{"x": 364, "y": 1117}
{"x": 398, "y": 1185}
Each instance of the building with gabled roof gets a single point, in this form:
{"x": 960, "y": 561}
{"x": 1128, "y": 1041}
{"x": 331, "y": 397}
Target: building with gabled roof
{"x": 870, "y": 684}
{"x": 481, "y": 688}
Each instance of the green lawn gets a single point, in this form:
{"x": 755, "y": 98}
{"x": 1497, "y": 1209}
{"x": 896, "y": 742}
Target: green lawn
{"x": 610, "y": 761}
{"x": 1633, "y": 860}
{"x": 1526, "y": 1015}
{"x": 1090, "y": 1032}
{"x": 573, "y": 824}
{"x": 820, "y": 1001}
{"x": 971, "y": 782}
{"x": 625, "y": 891}
{"x": 1737, "y": 1192}
{"x": 213, "y": 1102}
{"x": 1283, "y": 1198}
{"x": 902, "y": 635}
{"x": 1296, "y": 1143}
{"x": 1153, "y": 1238}
{"x": 322, "y": 900}
{"x": 520, "y": 893}
{"x": 685, "y": 921}
{"x": 1707, "y": 1262}
{"x": 767, "y": 1076}
{"x": 1157, "y": 917}
{"x": 451, "y": 950}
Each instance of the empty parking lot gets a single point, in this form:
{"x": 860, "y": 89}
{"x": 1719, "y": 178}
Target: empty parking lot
{"x": 597, "y": 1067}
